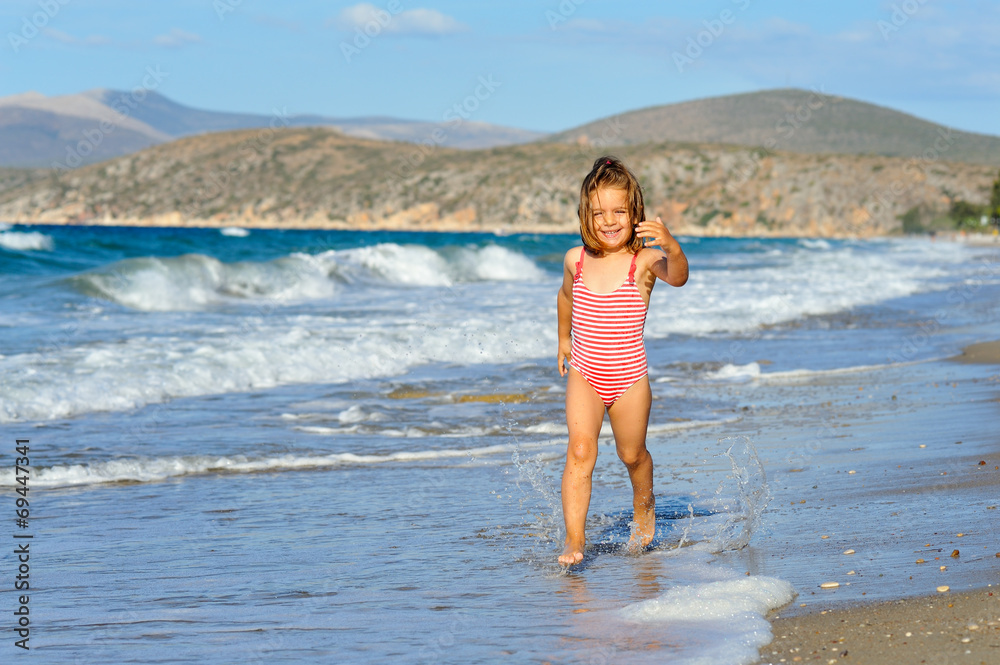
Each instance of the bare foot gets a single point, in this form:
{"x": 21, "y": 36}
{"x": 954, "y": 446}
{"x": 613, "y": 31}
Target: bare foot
{"x": 572, "y": 554}
{"x": 643, "y": 529}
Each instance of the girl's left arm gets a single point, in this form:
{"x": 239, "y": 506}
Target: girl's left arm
{"x": 672, "y": 266}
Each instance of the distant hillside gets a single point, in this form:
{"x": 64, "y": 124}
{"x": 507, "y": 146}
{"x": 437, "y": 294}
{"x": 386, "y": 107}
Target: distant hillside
{"x": 36, "y": 130}
{"x": 790, "y": 120}
{"x": 14, "y": 178}
{"x": 319, "y": 178}
{"x": 178, "y": 120}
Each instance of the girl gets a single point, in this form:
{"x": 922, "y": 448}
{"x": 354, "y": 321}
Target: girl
{"x": 603, "y": 302}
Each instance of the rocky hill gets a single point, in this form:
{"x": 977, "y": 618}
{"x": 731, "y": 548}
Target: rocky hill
{"x": 791, "y": 120}
{"x": 320, "y": 178}
{"x": 15, "y": 178}
{"x": 70, "y": 130}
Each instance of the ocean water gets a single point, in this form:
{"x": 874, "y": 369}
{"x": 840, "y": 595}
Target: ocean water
{"x": 311, "y": 446}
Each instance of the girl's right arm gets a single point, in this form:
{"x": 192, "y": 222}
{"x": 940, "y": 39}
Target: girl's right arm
{"x": 564, "y": 306}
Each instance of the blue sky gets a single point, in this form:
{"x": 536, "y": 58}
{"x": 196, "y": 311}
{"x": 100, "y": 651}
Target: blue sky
{"x": 553, "y": 64}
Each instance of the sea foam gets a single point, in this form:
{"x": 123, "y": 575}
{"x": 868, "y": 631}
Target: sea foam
{"x": 154, "y": 469}
{"x": 744, "y": 293}
{"x": 25, "y": 241}
{"x": 196, "y": 281}
{"x": 716, "y": 616}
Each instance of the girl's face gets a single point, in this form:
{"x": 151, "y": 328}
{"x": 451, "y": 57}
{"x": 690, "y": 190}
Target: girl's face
{"x": 612, "y": 225}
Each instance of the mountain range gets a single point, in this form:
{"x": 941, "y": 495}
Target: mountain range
{"x": 317, "y": 177}
{"x": 92, "y": 126}
{"x": 793, "y": 120}
{"x": 780, "y": 162}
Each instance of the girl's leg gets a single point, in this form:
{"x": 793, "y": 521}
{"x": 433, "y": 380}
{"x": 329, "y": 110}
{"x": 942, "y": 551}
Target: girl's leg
{"x": 629, "y": 419}
{"x": 584, "y": 415}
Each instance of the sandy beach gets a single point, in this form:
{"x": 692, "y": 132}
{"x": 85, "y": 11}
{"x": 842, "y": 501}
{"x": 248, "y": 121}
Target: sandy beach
{"x": 939, "y": 626}
{"x": 986, "y": 353}
{"x": 943, "y": 628}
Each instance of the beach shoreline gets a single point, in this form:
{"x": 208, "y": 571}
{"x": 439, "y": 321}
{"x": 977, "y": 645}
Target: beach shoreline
{"x": 984, "y": 353}
{"x": 449, "y": 225}
{"x": 942, "y": 628}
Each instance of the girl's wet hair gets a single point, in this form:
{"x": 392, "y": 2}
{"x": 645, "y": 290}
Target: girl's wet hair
{"x": 610, "y": 173}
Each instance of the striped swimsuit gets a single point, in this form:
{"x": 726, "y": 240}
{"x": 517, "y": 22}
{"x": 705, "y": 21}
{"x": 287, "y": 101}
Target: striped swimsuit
{"x": 607, "y": 335}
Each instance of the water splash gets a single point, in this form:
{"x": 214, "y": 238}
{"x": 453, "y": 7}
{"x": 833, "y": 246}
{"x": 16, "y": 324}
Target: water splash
{"x": 543, "y": 501}
{"x": 743, "y": 496}
{"x": 541, "y": 498}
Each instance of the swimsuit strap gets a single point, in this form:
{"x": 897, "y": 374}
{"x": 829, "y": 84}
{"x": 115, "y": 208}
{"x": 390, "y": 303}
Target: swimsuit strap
{"x": 631, "y": 270}
{"x": 579, "y": 264}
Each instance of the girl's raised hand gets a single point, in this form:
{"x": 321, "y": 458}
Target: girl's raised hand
{"x": 672, "y": 267}
{"x": 657, "y": 231}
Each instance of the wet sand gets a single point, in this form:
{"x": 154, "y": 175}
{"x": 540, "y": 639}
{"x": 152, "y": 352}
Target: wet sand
{"x": 941, "y": 625}
{"x": 986, "y": 353}
{"x": 943, "y": 628}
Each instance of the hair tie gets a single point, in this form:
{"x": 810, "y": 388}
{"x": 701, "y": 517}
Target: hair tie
{"x": 608, "y": 162}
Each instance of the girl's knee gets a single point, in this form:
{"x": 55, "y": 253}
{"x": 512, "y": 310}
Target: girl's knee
{"x": 633, "y": 458}
{"x": 582, "y": 449}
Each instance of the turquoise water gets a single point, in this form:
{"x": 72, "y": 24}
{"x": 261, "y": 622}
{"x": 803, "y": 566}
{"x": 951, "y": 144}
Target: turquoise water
{"x": 314, "y": 446}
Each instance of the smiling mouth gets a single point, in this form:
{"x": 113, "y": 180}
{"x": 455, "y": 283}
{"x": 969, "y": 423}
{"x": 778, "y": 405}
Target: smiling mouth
{"x": 611, "y": 233}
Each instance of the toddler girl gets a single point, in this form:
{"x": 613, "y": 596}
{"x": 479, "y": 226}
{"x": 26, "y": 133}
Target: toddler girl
{"x": 602, "y": 310}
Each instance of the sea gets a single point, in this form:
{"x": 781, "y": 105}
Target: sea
{"x": 265, "y": 446}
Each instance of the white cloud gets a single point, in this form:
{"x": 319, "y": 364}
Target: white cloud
{"x": 586, "y": 25}
{"x": 66, "y": 38}
{"x": 176, "y": 38}
{"x": 278, "y": 23}
{"x": 857, "y": 35}
{"x": 415, "y": 22}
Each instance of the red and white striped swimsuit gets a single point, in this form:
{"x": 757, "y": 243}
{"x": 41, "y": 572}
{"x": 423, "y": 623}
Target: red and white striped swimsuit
{"x": 607, "y": 335}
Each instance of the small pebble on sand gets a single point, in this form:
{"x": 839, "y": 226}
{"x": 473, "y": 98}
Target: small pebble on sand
{"x": 943, "y": 589}
{"x": 829, "y": 585}
{"x": 848, "y": 551}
